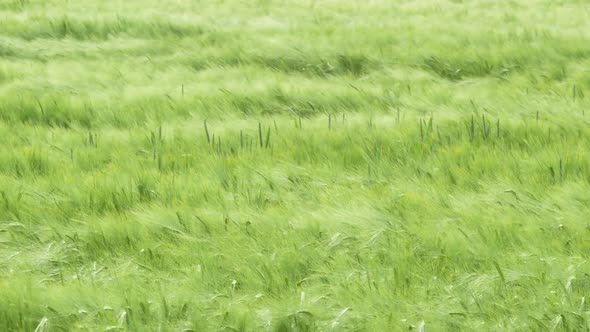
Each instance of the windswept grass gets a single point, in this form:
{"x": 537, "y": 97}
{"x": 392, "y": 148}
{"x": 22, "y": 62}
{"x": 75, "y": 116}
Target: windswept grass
{"x": 294, "y": 166}
{"x": 96, "y": 29}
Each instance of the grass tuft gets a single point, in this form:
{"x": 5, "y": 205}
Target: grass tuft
{"x": 117, "y": 214}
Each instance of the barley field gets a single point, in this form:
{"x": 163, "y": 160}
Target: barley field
{"x": 282, "y": 165}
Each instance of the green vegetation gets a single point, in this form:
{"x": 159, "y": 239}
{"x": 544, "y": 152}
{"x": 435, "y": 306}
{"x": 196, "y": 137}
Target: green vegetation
{"x": 294, "y": 165}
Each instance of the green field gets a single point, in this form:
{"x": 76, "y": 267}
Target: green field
{"x": 309, "y": 165}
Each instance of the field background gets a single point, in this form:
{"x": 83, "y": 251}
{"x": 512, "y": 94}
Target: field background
{"x": 364, "y": 165}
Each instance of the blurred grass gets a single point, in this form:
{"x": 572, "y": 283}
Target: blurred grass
{"x": 424, "y": 165}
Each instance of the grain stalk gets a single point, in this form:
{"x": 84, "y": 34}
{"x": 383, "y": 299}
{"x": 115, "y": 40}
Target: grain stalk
{"x": 41, "y": 108}
{"x": 241, "y": 140}
{"x": 207, "y": 132}
{"x": 472, "y": 129}
{"x": 421, "y": 131}
{"x": 561, "y": 172}
{"x": 574, "y": 93}
{"x": 260, "y": 134}
{"x": 268, "y": 137}
{"x": 500, "y": 273}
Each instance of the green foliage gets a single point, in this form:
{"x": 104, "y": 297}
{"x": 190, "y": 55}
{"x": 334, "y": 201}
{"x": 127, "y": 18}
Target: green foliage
{"x": 294, "y": 166}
